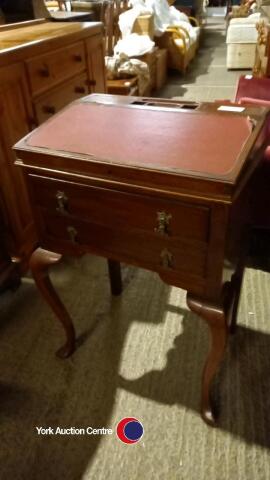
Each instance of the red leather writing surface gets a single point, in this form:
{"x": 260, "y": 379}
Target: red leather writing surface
{"x": 167, "y": 140}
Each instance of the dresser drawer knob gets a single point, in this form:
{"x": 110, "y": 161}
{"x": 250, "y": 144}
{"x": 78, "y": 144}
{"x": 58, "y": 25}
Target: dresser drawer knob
{"x": 62, "y": 201}
{"x": 32, "y": 123}
{"x": 92, "y": 83}
{"x": 166, "y": 258}
{"x": 45, "y": 71}
{"x": 49, "y": 109}
{"x": 72, "y": 233}
{"x": 77, "y": 57}
{"x": 163, "y": 220}
{"x": 79, "y": 89}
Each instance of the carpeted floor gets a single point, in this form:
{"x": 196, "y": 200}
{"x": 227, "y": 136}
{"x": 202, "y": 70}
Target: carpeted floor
{"x": 138, "y": 355}
{"x": 207, "y": 78}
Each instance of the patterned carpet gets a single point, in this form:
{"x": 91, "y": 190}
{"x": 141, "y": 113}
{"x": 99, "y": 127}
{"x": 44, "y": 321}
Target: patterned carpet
{"x": 138, "y": 355}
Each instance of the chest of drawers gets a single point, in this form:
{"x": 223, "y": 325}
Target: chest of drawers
{"x": 153, "y": 183}
{"x": 43, "y": 67}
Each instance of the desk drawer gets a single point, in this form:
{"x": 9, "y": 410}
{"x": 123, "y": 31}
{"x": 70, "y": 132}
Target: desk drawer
{"x": 123, "y": 211}
{"x": 51, "y": 68}
{"x": 58, "y": 98}
{"x": 70, "y": 235}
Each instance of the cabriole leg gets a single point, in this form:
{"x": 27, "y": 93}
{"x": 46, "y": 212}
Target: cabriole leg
{"x": 40, "y": 261}
{"x": 115, "y": 277}
{"x": 236, "y": 285}
{"x": 216, "y": 320}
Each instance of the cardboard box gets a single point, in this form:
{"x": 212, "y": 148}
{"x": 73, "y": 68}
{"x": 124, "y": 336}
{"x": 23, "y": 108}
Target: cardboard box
{"x": 161, "y": 67}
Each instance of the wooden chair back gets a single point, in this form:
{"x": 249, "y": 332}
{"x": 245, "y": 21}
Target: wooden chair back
{"x": 111, "y": 10}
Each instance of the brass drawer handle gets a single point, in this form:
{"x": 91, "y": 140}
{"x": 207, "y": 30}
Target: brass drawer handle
{"x": 72, "y": 233}
{"x": 79, "y": 89}
{"x": 45, "y": 71}
{"x": 163, "y": 220}
{"x": 49, "y": 109}
{"x": 166, "y": 259}
{"x": 62, "y": 201}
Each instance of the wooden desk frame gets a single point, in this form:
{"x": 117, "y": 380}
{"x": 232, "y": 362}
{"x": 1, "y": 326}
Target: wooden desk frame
{"x": 221, "y": 204}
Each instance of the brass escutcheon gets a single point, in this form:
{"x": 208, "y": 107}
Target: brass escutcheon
{"x": 166, "y": 258}
{"x": 72, "y": 232}
{"x": 163, "y": 220}
{"x": 62, "y": 201}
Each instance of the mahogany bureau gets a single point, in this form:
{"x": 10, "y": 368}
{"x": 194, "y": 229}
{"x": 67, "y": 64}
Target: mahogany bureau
{"x": 154, "y": 183}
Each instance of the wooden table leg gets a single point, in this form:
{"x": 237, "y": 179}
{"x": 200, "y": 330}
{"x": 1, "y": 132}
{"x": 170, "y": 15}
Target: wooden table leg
{"x": 115, "y": 277}
{"x": 216, "y": 320}
{"x": 9, "y": 276}
{"x": 236, "y": 284}
{"x": 40, "y": 261}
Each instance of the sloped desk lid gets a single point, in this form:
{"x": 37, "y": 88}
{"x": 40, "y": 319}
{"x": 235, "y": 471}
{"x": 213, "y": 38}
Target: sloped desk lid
{"x": 212, "y": 144}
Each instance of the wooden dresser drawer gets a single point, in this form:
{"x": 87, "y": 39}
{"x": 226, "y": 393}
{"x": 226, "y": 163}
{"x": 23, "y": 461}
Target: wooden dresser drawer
{"x": 61, "y": 96}
{"x": 51, "y": 68}
{"x": 148, "y": 250}
{"x": 122, "y": 210}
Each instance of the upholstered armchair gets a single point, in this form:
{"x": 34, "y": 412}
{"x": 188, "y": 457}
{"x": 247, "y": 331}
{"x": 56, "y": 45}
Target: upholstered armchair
{"x": 180, "y": 44}
{"x": 241, "y": 42}
{"x": 242, "y": 38}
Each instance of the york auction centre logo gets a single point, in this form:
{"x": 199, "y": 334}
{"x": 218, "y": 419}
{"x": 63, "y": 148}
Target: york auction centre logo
{"x": 129, "y": 430}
